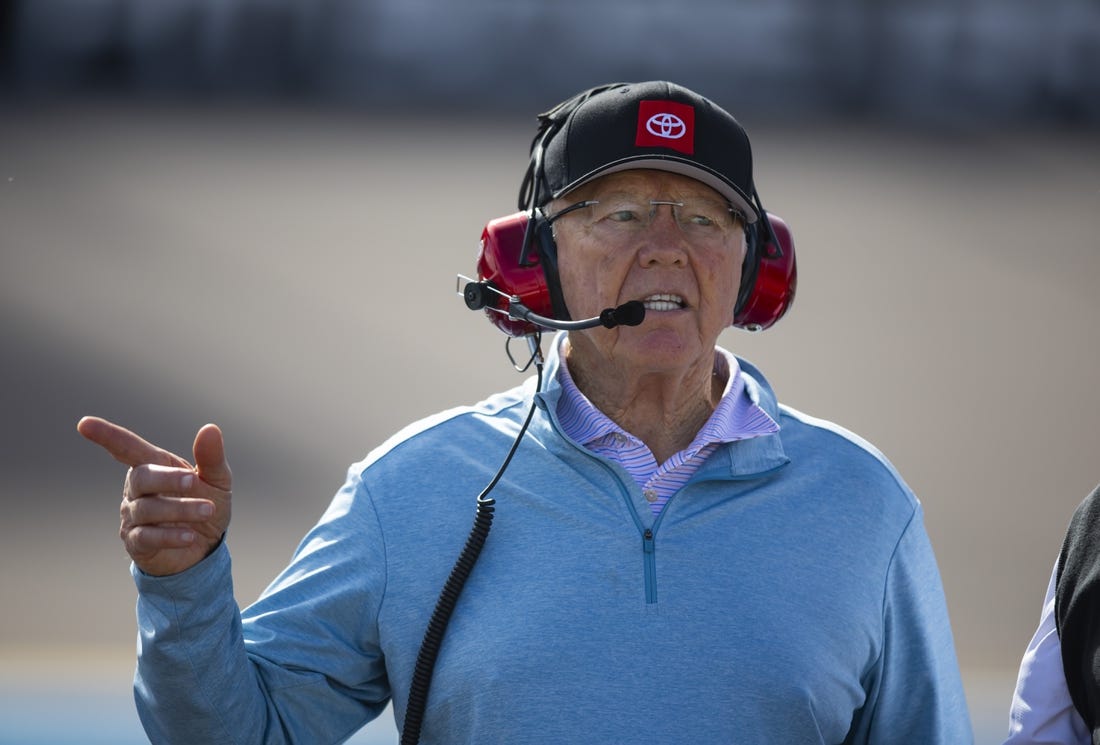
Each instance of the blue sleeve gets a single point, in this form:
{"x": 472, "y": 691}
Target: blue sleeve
{"x": 915, "y": 691}
{"x": 300, "y": 665}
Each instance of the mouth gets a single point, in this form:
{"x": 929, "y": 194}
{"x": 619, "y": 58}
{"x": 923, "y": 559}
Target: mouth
{"x": 664, "y": 301}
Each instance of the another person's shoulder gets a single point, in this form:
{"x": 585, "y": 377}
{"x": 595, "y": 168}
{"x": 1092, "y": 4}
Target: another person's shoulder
{"x": 1082, "y": 539}
{"x": 1088, "y": 511}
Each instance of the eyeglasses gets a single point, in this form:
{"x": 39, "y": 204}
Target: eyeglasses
{"x": 701, "y": 220}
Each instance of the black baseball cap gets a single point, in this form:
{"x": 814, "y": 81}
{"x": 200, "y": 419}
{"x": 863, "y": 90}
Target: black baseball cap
{"x": 658, "y": 125}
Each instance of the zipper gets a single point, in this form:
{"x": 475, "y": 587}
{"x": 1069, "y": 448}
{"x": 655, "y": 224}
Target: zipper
{"x": 649, "y": 555}
{"x": 650, "y": 559}
{"x": 649, "y": 538}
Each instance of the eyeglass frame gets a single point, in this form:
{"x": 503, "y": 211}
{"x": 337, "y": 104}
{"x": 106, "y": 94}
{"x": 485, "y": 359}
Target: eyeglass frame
{"x": 737, "y": 215}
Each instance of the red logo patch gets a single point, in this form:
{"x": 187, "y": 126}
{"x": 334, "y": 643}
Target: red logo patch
{"x": 666, "y": 124}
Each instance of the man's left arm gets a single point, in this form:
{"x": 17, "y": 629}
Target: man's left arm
{"x": 917, "y": 693}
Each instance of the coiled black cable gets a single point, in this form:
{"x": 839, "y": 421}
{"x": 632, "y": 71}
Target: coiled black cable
{"x": 448, "y": 596}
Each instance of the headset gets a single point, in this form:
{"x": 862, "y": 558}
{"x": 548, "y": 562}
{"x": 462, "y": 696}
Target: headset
{"x": 518, "y": 285}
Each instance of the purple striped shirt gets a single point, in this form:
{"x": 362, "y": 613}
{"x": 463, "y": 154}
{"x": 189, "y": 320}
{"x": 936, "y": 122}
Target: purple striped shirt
{"x": 735, "y": 418}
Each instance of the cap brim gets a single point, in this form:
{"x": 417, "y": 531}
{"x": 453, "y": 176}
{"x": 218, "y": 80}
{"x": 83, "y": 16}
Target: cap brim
{"x": 672, "y": 165}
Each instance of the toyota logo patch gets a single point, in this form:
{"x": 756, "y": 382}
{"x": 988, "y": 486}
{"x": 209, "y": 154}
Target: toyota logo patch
{"x": 666, "y": 124}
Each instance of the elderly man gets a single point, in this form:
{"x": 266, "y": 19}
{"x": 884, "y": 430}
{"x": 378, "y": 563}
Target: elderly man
{"x": 675, "y": 557}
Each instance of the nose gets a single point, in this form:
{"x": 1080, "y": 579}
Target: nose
{"x": 663, "y": 242}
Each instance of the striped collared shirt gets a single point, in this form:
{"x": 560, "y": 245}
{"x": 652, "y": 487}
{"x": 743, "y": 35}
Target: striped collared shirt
{"x": 735, "y": 418}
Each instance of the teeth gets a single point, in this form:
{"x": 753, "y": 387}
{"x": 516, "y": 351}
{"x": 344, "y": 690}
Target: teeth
{"x": 663, "y": 301}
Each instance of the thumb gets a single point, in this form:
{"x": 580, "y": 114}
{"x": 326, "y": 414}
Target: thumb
{"x": 210, "y": 459}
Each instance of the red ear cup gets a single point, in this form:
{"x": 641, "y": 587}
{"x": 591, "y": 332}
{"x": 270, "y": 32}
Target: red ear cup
{"x": 500, "y": 263}
{"x": 774, "y": 284}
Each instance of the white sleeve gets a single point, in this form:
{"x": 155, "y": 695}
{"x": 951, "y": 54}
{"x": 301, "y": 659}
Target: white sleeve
{"x": 1042, "y": 712}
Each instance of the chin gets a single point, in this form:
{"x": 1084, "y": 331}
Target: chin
{"x": 665, "y": 347}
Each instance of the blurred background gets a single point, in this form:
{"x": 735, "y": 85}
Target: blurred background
{"x": 253, "y": 211}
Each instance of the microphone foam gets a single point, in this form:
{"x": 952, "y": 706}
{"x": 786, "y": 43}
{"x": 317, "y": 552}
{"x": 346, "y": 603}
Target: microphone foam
{"x": 627, "y": 314}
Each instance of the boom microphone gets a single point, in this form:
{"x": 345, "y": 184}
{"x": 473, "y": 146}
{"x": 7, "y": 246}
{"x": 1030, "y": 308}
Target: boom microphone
{"x": 478, "y": 295}
{"x": 627, "y": 314}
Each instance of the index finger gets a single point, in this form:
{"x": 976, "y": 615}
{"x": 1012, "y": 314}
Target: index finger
{"x": 125, "y": 446}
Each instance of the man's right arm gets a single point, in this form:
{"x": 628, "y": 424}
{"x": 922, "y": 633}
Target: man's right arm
{"x": 194, "y": 681}
{"x": 301, "y": 664}
{"x": 296, "y": 677}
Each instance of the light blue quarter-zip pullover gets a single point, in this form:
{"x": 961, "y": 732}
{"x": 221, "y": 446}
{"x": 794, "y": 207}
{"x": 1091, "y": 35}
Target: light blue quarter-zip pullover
{"x": 786, "y": 594}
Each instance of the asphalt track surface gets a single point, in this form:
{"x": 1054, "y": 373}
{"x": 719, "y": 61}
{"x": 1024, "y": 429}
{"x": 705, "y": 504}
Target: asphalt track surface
{"x": 290, "y": 274}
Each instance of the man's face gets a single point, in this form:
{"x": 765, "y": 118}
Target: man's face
{"x": 683, "y": 263}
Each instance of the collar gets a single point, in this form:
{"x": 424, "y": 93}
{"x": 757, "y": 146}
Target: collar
{"x": 736, "y": 417}
{"x": 744, "y": 459}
